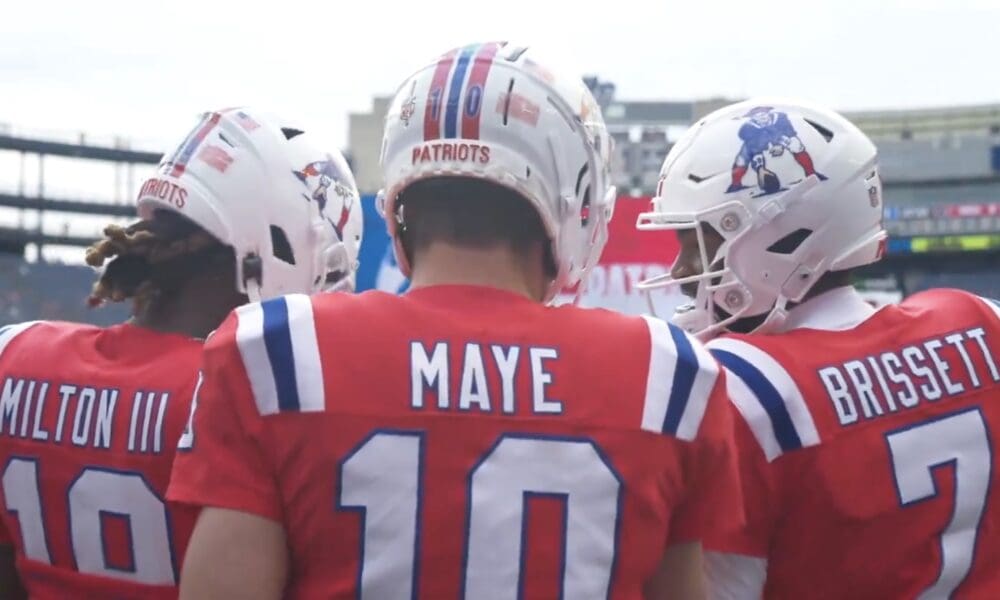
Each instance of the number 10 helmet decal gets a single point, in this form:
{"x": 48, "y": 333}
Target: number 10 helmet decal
{"x": 493, "y": 111}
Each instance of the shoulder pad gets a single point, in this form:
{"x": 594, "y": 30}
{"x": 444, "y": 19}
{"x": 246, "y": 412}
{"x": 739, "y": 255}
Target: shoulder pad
{"x": 767, "y": 397}
{"x": 679, "y": 381}
{"x": 9, "y": 332}
{"x": 280, "y": 351}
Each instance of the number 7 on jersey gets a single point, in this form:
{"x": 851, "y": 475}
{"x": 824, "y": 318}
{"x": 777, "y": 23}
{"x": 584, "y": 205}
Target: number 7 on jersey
{"x": 962, "y": 440}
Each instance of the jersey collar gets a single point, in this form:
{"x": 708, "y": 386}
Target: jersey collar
{"x": 838, "y": 309}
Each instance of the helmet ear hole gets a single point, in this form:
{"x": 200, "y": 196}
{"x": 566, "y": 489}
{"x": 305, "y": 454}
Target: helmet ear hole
{"x": 282, "y": 248}
{"x": 790, "y": 242}
{"x": 290, "y": 132}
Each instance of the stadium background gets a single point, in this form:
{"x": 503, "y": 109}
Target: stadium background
{"x": 941, "y": 168}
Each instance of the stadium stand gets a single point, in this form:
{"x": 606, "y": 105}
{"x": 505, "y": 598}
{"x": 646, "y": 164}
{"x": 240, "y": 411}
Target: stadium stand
{"x": 976, "y": 272}
{"x": 942, "y": 189}
{"x": 49, "y": 291}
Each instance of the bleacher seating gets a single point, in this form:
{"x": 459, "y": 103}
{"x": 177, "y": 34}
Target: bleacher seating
{"x": 983, "y": 283}
{"x": 30, "y": 291}
{"x": 51, "y": 291}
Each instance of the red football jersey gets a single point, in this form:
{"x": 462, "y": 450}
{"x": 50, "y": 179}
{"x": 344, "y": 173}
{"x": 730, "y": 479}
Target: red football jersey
{"x": 461, "y": 441}
{"x": 89, "y": 422}
{"x": 867, "y": 451}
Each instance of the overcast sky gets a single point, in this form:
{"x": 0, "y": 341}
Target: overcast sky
{"x": 146, "y": 70}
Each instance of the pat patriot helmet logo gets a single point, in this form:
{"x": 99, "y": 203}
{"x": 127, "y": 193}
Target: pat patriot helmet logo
{"x": 321, "y": 175}
{"x": 409, "y": 106}
{"x": 769, "y": 131}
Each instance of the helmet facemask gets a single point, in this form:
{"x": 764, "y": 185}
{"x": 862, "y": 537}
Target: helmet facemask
{"x": 719, "y": 297}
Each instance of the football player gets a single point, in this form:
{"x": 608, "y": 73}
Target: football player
{"x": 463, "y": 439}
{"x": 90, "y": 417}
{"x": 866, "y": 441}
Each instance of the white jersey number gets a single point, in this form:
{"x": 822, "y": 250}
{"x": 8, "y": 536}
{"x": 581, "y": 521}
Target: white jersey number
{"x": 382, "y": 478}
{"x": 960, "y": 439}
{"x": 94, "y": 495}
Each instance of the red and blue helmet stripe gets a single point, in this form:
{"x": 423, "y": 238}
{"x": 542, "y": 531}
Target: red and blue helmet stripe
{"x": 185, "y": 151}
{"x": 465, "y": 89}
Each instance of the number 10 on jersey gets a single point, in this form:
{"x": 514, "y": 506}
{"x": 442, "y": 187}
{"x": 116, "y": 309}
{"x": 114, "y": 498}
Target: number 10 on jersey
{"x": 381, "y": 480}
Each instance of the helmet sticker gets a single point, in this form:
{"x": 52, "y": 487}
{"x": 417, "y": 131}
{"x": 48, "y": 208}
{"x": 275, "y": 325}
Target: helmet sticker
{"x": 319, "y": 177}
{"x": 768, "y": 133}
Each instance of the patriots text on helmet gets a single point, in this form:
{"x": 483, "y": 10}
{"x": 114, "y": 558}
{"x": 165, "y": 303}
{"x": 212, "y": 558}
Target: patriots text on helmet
{"x": 164, "y": 190}
{"x": 442, "y": 151}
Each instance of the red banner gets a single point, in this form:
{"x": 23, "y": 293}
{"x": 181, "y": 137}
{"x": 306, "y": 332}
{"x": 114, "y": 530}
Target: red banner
{"x": 630, "y": 257}
{"x": 972, "y": 210}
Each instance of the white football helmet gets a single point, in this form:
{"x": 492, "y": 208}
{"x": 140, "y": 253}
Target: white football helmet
{"x": 288, "y": 208}
{"x": 793, "y": 190}
{"x": 493, "y": 111}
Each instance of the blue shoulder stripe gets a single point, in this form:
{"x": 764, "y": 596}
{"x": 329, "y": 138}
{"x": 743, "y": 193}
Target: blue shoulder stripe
{"x": 680, "y": 389}
{"x": 768, "y": 396}
{"x": 278, "y": 341}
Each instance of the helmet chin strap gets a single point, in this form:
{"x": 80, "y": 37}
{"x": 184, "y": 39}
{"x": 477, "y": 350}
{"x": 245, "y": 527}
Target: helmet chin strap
{"x": 594, "y": 257}
{"x": 701, "y": 317}
{"x": 694, "y": 321}
{"x": 776, "y": 318}
{"x": 336, "y": 260}
{"x": 584, "y": 281}
{"x": 253, "y": 290}
{"x": 251, "y": 270}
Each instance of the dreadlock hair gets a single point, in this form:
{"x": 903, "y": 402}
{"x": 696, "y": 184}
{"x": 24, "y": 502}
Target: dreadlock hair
{"x": 150, "y": 258}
